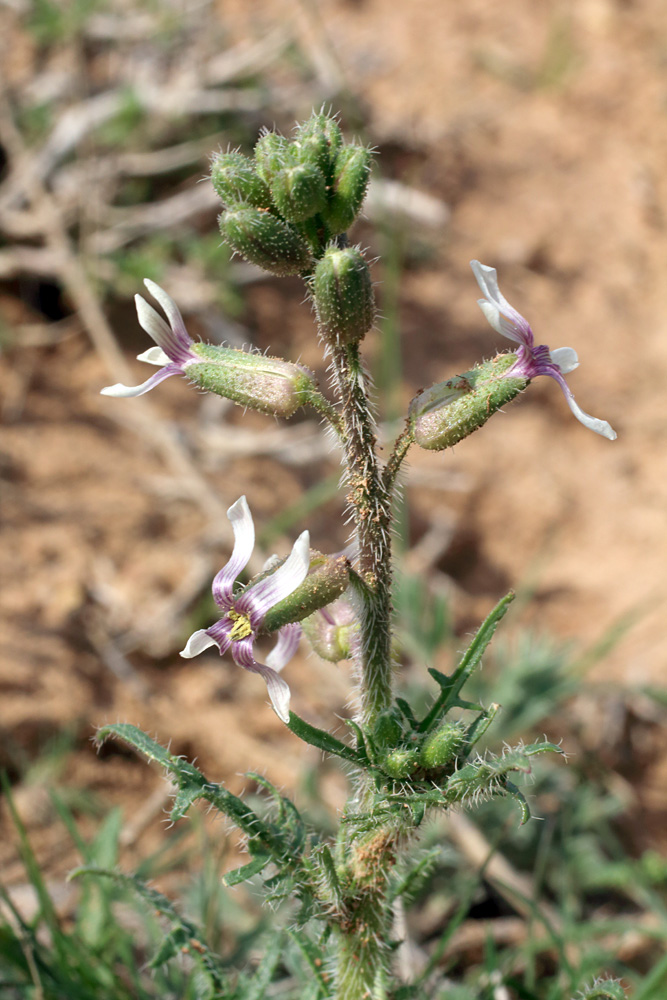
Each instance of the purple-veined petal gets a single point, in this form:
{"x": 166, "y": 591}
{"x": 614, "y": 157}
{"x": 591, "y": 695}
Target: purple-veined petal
{"x": 244, "y": 542}
{"x": 279, "y": 692}
{"x": 566, "y": 358}
{"x": 286, "y": 646}
{"x": 593, "y": 423}
{"x": 499, "y": 313}
{"x": 173, "y": 314}
{"x": 154, "y": 356}
{"x": 197, "y": 643}
{"x": 256, "y": 600}
{"x": 128, "y": 391}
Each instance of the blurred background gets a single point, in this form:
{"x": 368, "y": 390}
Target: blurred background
{"x": 530, "y": 136}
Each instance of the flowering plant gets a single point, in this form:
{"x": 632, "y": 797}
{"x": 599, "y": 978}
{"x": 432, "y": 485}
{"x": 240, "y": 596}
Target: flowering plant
{"x": 287, "y": 210}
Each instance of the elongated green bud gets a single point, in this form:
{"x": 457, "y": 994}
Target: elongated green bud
{"x": 235, "y": 180}
{"x": 387, "y": 730}
{"x": 272, "y": 153}
{"x": 318, "y": 141}
{"x": 352, "y": 172}
{"x": 343, "y": 295}
{"x": 449, "y": 411}
{"x": 441, "y": 746}
{"x": 299, "y": 192}
{"x": 269, "y": 385}
{"x": 328, "y": 578}
{"x": 401, "y": 763}
{"x": 266, "y": 241}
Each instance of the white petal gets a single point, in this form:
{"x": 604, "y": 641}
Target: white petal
{"x": 129, "y": 391}
{"x": 593, "y": 423}
{"x": 152, "y": 322}
{"x": 492, "y": 313}
{"x": 197, "y": 643}
{"x": 154, "y": 356}
{"x": 244, "y": 542}
{"x": 257, "y": 600}
{"x": 285, "y": 648}
{"x": 566, "y": 358}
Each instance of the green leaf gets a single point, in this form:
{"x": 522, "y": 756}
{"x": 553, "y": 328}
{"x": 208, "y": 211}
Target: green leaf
{"x": 321, "y": 739}
{"x": 245, "y": 872}
{"x": 451, "y": 686}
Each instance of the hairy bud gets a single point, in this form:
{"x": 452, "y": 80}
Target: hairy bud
{"x": 447, "y": 412}
{"x": 272, "y": 152}
{"x": 401, "y": 763}
{"x": 235, "y": 180}
{"x": 318, "y": 141}
{"x": 327, "y": 579}
{"x": 343, "y": 295}
{"x": 299, "y": 191}
{"x": 387, "y": 730}
{"x": 269, "y": 385}
{"x": 441, "y": 746}
{"x": 265, "y": 240}
{"x": 351, "y": 174}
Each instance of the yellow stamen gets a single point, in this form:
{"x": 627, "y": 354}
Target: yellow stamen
{"x": 241, "y": 628}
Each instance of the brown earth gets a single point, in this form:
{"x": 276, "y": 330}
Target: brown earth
{"x": 544, "y": 129}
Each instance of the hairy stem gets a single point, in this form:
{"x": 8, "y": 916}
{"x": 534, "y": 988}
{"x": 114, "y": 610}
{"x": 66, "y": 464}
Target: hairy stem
{"x": 370, "y": 503}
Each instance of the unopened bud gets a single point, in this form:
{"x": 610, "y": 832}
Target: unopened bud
{"x": 299, "y": 191}
{"x": 444, "y": 414}
{"x": 265, "y": 240}
{"x": 343, "y": 295}
{"x": 441, "y": 746}
{"x": 235, "y": 180}
{"x": 351, "y": 174}
{"x": 387, "y": 730}
{"x": 328, "y": 578}
{"x": 318, "y": 141}
{"x": 401, "y": 763}
{"x": 269, "y": 385}
{"x": 332, "y": 630}
{"x": 272, "y": 152}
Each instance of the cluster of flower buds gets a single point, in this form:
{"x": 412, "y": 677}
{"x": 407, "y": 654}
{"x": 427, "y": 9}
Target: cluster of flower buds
{"x": 402, "y": 752}
{"x": 285, "y": 205}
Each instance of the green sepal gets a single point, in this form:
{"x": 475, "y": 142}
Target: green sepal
{"x": 327, "y": 580}
{"x": 352, "y": 171}
{"x": 265, "y": 240}
{"x": 400, "y": 763}
{"x": 343, "y": 295}
{"x": 450, "y": 411}
{"x": 236, "y": 181}
{"x": 441, "y": 745}
{"x": 257, "y": 381}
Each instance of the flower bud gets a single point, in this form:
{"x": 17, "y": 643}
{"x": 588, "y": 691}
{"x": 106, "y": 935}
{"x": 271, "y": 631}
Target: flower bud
{"x": 441, "y": 746}
{"x": 265, "y": 240}
{"x": 269, "y": 385}
{"x": 327, "y": 579}
{"x": 299, "y": 191}
{"x": 401, "y": 763}
{"x": 318, "y": 141}
{"x": 387, "y": 730}
{"x": 332, "y": 629}
{"x": 343, "y": 295}
{"x": 235, "y": 180}
{"x": 447, "y": 412}
{"x": 350, "y": 179}
{"x": 272, "y": 153}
